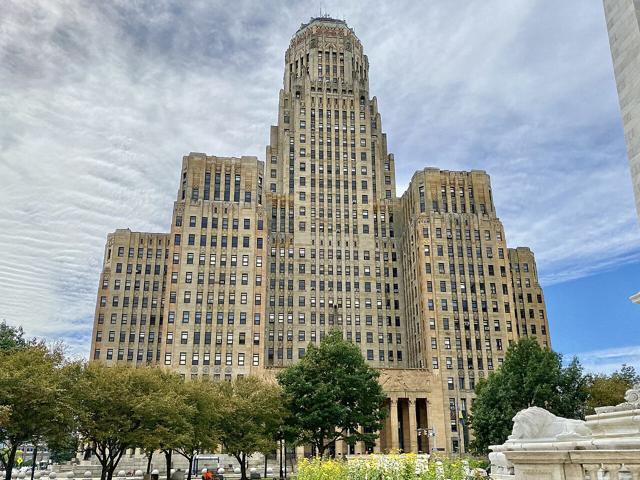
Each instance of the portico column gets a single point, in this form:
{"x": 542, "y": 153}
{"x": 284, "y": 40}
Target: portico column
{"x": 413, "y": 426}
{"x": 339, "y": 448}
{"x": 395, "y": 441}
{"x": 377, "y": 444}
{"x": 359, "y": 446}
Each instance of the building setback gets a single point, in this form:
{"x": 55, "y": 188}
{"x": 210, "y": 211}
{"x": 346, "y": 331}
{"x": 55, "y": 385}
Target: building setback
{"x": 265, "y": 258}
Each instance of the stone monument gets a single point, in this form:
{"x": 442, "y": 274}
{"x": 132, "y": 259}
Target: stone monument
{"x": 545, "y": 446}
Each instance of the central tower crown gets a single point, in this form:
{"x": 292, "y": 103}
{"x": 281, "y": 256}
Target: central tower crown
{"x": 328, "y": 54}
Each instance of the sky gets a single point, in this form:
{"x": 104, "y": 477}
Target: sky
{"x": 99, "y": 101}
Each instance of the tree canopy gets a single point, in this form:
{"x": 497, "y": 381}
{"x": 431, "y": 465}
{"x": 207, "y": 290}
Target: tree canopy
{"x": 33, "y": 395}
{"x": 12, "y": 337}
{"x": 332, "y": 393}
{"x": 251, "y": 412}
{"x": 604, "y": 390}
{"x": 530, "y": 376}
{"x": 203, "y": 400}
{"x": 117, "y": 406}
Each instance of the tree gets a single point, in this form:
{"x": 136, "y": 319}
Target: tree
{"x": 114, "y": 405}
{"x": 530, "y": 376}
{"x": 163, "y": 415}
{"x": 203, "y": 421}
{"x": 332, "y": 393}
{"x": 13, "y": 337}
{"x": 251, "y": 412}
{"x": 62, "y": 448}
{"x": 33, "y": 392}
{"x": 604, "y": 390}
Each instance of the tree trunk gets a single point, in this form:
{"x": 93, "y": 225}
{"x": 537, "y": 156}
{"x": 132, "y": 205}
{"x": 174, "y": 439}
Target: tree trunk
{"x": 167, "y": 458}
{"x": 243, "y": 467}
{"x": 190, "y": 467}
{"x": 33, "y": 459}
{"x": 241, "y": 458}
{"x": 11, "y": 459}
{"x": 265, "y": 465}
{"x": 149, "y": 457}
{"x": 285, "y": 458}
{"x": 103, "y": 473}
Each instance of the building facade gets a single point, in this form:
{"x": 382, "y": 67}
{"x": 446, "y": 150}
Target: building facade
{"x": 623, "y": 25}
{"x": 265, "y": 258}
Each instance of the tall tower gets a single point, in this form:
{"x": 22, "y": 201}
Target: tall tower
{"x": 330, "y": 190}
{"x": 623, "y": 25}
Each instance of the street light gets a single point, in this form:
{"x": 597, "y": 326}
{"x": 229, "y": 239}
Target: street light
{"x": 429, "y": 433}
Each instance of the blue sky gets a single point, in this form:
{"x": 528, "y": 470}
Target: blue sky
{"x": 99, "y": 101}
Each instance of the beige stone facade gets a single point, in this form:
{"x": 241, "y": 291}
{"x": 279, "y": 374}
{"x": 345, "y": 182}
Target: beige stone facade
{"x": 623, "y": 25}
{"x": 265, "y": 258}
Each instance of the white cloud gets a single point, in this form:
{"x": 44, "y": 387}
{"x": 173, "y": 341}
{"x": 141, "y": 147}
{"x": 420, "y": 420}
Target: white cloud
{"x": 609, "y": 360}
{"x": 99, "y": 101}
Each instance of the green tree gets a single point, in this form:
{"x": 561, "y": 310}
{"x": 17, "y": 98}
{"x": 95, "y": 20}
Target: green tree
{"x": 203, "y": 421}
{"x": 113, "y": 405}
{"x": 332, "y": 393}
{"x": 530, "y": 376}
{"x": 163, "y": 415}
{"x": 251, "y": 411}
{"x": 62, "y": 448}
{"x": 604, "y": 390}
{"x": 32, "y": 389}
{"x": 13, "y": 337}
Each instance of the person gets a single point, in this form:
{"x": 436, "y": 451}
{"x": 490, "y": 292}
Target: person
{"x": 206, "y": 474}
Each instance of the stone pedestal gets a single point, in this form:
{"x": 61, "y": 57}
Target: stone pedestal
{"x": 545, "y": 447}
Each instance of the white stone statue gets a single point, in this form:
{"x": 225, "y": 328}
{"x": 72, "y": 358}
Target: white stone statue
{"x": 537, "y": 424}
{"x": 500, "y": 464}
{"x": 632, "y": 402}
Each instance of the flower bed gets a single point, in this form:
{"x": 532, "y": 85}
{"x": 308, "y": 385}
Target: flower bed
{"x": 388, "y": 467}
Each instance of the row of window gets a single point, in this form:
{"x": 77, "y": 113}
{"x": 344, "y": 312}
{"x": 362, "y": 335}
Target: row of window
{"x": 157, "y": 269}
{"x": 479, "y": 362}
{"x": 213, "y": 240}
{"x": 224, "y": 224}
{"x": 206, "y": 359}
{"x": 173, "y": 297}
{"x": 141, "y": 252}
{"x": 335, "y": 318}
{"x": 471, "y": 268}
{"x": 468, "y": 343}
{"x": 146, "y": 285}
{"x": 213, "y": 258}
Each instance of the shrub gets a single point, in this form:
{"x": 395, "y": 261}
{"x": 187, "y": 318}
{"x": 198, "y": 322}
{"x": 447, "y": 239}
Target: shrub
{"x": 387, "y": 467}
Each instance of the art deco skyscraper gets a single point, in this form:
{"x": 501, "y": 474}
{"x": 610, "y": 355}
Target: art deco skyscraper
{"x": 264, "y": 258}
{"x": 330, "y": 195}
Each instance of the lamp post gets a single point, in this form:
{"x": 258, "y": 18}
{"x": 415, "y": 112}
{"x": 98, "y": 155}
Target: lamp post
{"x": 432, "y": 434}
{"x": 281, "y": 471}
{"x": 429, "y": 433}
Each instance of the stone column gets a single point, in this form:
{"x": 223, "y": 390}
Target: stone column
{"x": 378, "y": 444}
{"x": 395, "y": 441}
{"x": 412, "y": 427}
{"x": 359, "y": 446}
{"x": 339, "y": 448}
